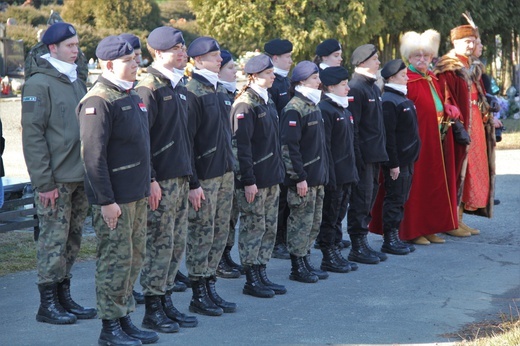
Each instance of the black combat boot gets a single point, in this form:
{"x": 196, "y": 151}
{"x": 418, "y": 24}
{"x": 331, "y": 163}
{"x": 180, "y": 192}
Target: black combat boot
{"x": 175, "y": 315}
{"x": 138, "y": 297}
{"x": 321, "y": 274}
{"x": 262, "y": 273}
{"x": 155, "y": 318}
{"x": 112, "y": 334}
{"x": 392, "y": 244}
{"x": 331, "y": 262}
{"x": 253, "y": 286}
{"x": 359, "y": 251}
{"x": 224, "y": 270}
{"x": 70, "y": 305}
{"x": 299, "y": 271}
{"x": 280, "y": 251}
{"x": 181, "y": 278}
{"x": 213, "y": 295}
{"x": 339, "y": 256}
{"x": 200, "y": 301}
{"x": 50, "y": 310}
{"x": 230, "y": 262}
{"x": 131, "y": 330}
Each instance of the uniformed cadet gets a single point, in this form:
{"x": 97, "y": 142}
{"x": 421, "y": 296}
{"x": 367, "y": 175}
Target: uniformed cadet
{"x": 339, "y": 134}
{"x": 306, "y": 166}
{"x": 369, "y": 145}
{"x": 51, "y": 146}
{"x": 260, "y": 170}
{"x": 328, "y": 54}
{"x": 165, "y": 99}
{"x": 211, "y": 185}
{"x": 227, "y": 76}
{"x": 115, "y": 147}
{"x": 280, "y": 52}
{"x": 136, "y": 44}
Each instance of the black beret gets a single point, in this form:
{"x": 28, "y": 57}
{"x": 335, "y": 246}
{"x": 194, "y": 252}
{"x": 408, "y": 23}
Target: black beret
{"x": 278, "y": 47}
{"x": 202, "y": 45}
{"x": 362, "y": 54}
{"x": 328, "y": 47}
{"x": 132, "y": 39}
{"x": 58, "y": 32}
{"x": 164, "y": 38}
{"x": 392, "y": 67}
{"x": 113, "y": 47}
{"x": 304, "y": 70}
{"x": 258, "y": 64}
{"x": 226, "y": 57}
{"x": 333, "y": 75}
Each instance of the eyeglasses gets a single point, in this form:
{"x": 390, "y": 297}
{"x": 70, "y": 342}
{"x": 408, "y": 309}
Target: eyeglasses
{"x": 419, "y": 56}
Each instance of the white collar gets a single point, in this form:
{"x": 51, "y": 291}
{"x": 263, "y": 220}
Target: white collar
{"x": 123, "y": 84}
{"x": 172, "y": 75}
{"x": 399, "y": 87}
{"x": 312, "y": 94}
{"x": 210, "y": 76}
{"x": 230, "y": 86}
{"x": 67, "y": 69}
{"x": 280, "y": 72}
{"x": 323, "y": 66}
{"x": 260, "y": 91}
{"x": 340, "y": 100}
{"x": 364, "y": 72}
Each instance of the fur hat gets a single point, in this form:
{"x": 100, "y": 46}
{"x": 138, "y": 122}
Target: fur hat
{"x": 463, "y": 31}
{"x": 412, "y": 41}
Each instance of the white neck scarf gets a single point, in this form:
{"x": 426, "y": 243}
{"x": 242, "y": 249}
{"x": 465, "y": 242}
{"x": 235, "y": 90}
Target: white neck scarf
{"x": 323, "y": 66}
{"x": 170, "y": 74}
{"x": 63, "y": 67}
{"x": 399, "y": 87}
{"x": 260, "y": 91}
{"x": 340, "y": 100}
{"x": 312, "y": 94}
{"x": 211, "y": 77}
{"x": 123, "y": 84}
{"x": 364, "y": 72}
{"x": 230, "y": 86}
{"x": 280, "y": 72}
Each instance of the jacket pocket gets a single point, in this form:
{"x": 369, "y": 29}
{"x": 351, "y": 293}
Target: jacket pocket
{"x": 262, "y": 159}
{"x": 206, "y": 153}
{"x": 125, "y": 167}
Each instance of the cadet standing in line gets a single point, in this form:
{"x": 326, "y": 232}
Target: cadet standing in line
{"x": 306, "y": 166}
{"x": 280, "y": 52}
{"x": 328, "y": 54}
{"x": 211, "y": 185}
{"x": 260, "y": 170}
{"x": 136, "y": 44}
{"x": 51, "y": 146}
{"x": 115, "y": 146}
{"x": 165, "y": 99}
{"x": 227, "y": 76}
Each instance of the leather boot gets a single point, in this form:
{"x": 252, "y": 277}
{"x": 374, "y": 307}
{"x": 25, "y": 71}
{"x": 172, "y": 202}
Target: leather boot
{"x": 213, "y": 295}
{"x": 50, "y": 310}
{"x": 112, "y": 334}
{"x": 70, "y": 305}
{"x": 434, "y": 238}
{"x": 155, "y": 318}
{"x": 330, "y": 261}
{"x": 175, "y": 315}
{"x": 392, "y": 244}
{"x": 465, "y": 227}
{"x": 200, "y": 301}
{"x": 181, "y": 278}
{"x": 461, "y": 231}
{"x": 225, "y": 271}
{"x": 229, "y": 260}
{"x": 299, "y": 271}
{"x": 138, "y": 297}
{"x": 280, "y": 251}
{"x": 253, "y": 286}
{"x": 321, "y": 274}
{"x": 262, "y": 273}
{"x": 359, "y": 252}
{"x": 131, "y": 330}
{"x": 337, "y": 252}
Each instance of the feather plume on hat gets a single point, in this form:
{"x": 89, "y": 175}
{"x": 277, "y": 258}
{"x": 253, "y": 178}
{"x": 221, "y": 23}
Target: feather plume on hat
{"x": 427, "y": 42}
{"x": 467, "y": 15}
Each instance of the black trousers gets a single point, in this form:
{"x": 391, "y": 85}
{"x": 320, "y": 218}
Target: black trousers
{"x": 283, "y": 214}
{"x": 362, "y": 199}
{"x": 335, "y": 204}
{"x": 396, "y": 194}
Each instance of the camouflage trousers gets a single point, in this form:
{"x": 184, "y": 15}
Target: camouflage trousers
{"x": 208, "y": 228}
{"x": 233, "y": 220}
{"x": 258, "y": 223}
{"x": 120, "y": 255}
{"x": 166, "y": 237}
{"x": 60, "y": 232}
{"x": 303, "y": 224}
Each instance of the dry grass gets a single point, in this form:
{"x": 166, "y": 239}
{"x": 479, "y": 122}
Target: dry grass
{"x": 511, "y": 136}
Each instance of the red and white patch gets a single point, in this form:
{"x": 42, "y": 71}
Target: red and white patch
{"x": 240, "y": 116}
{"x": 352, "y": 119}
{"x": 143, "y": 107}
{"x": 292, "y": 123}
{"x": 350, "y": 98}
{"x": 90, "y": 111}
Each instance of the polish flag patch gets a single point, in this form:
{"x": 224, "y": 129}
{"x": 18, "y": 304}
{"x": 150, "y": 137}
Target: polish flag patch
{"x": 90, "y": 111}
{"x": 352, "y": 119}
{"x": 240, "y": 116}
{"x": 292, "y": 123}
{"x": 142, "y": 106}
{"x": 350, "y": 98}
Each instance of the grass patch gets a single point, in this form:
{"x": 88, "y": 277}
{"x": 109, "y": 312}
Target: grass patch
{"x": 511, "y": 136}
{"x": 19, "y": 251}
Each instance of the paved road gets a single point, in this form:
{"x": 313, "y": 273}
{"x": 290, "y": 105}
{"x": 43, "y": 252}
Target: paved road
{"x": 406, "y": 300}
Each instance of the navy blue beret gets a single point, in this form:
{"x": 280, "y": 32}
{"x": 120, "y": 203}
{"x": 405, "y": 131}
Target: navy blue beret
{"x": 58, "y": 32}
{"x": 362, "y": 54}
{"x": 164, "y": 38}
{"x": 258, "y": 64}
{"x": 328, "y": 47}
{"x": 113, "y": 47}
{"x": 132, "y": 39}
{"x": 202, "y": 45}
{"x": 304, "y": 70}
{"x": 226, "y": 57}
{"x": 278, "y": 47}
{"x": 333, "y": 75}
{"x": 392, "y": 67}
